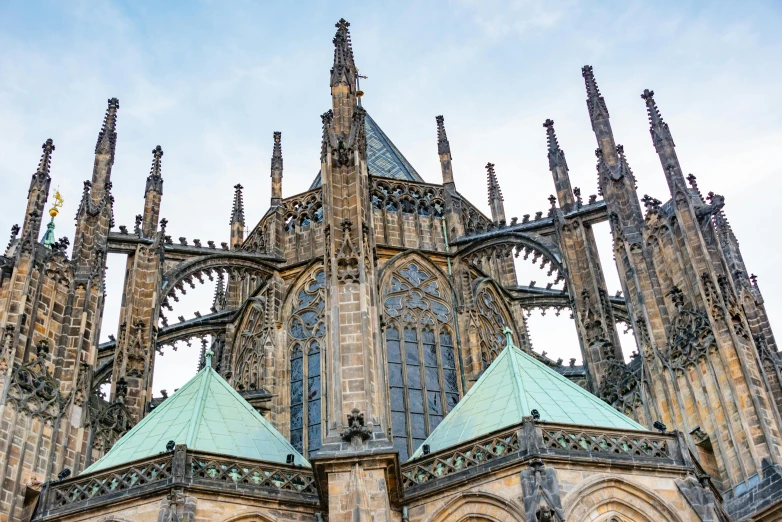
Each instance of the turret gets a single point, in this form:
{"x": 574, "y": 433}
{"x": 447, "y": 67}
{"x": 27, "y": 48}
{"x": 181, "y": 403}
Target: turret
{"x": 237, "y": 218}
{"x": 559, "y": 170}
{"x": 495, "y": 195}
{"x": 152, "y": 195}
{"x": 277, "y": 171}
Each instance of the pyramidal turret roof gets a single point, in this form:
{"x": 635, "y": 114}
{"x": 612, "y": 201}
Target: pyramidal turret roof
{"x": 383, "y": 158}
{"x": 510, "y": 388}
{"x": 206, "y": 414}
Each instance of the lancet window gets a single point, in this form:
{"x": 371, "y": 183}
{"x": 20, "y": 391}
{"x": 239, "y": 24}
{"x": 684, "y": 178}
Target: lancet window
{"x": 306, "y": 330}
{"x": 422, "y": 364}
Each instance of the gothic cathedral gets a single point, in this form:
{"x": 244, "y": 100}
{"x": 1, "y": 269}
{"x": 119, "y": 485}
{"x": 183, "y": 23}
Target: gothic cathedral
{"x": 367, "y": 358}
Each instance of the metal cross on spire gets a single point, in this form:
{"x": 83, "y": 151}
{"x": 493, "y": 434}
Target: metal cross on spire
{"x": 359, "y": 92}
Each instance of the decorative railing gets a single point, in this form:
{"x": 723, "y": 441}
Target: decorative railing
{"x": 461, "y": 458}
{"x": 541, "y": 440}
{"x": 179, "y": 468}
{"x": 643, "y": 445}
{"x": 252, "y": 474}
{"x": 93, "y": 485}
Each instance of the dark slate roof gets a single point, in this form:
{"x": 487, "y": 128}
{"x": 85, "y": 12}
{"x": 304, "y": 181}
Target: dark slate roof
{"x": 383, "y": 158}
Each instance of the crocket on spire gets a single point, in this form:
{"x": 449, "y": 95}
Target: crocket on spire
{"x": 344, "y": 69}
{"x": 237, "y": 218}
{"x": 558, "y": 167}
{"x": 277, "y": 170}
{"x": 664, "y": 145}
{"x": 595, "y": 101}
{"x": 107, "y": 138}
{"x": 495, "y": 195}
{"x": 155, "y": 178}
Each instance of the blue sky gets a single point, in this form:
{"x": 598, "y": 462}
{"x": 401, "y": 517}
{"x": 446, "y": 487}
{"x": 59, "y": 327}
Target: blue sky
{"x": 211, "y": 81}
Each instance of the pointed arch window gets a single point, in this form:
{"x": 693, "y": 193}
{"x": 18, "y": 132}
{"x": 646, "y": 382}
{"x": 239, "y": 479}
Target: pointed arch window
{"x": 421, "y": 355}
{"x": 306, "y": 330}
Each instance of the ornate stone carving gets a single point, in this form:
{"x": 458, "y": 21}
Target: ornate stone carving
{"x": 541, "y": 493}
{"x": 690, "y": 336}
{"x": 34, "y": 390}
{"x": 355, "y": 432}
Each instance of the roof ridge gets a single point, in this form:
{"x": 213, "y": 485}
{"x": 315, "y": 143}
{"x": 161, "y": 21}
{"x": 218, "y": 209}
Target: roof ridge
{"x": 198, "y": 411}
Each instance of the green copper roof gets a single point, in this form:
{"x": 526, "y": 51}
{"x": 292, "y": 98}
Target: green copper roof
{"x": 510, "y": 388}
{"x": 206, "y": 414}
{"x": 383, "y": 158}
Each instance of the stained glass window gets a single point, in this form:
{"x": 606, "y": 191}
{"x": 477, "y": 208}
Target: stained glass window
{"x": 422, "y": 372}
{"x": 306, "y": 331}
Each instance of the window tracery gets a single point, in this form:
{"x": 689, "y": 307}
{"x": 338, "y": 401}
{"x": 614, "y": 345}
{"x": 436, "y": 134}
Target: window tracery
{"x": 306, "y": 330}
{"x": 421, "y": 355}
{"x": 491, "y": 325}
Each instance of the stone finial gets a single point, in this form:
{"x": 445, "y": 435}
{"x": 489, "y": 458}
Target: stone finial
{"x": 595, "y": 101}
{"x": 556, "y": 156}
{"x": 44, "y": 166}
{"x": 155, "y": 178}
{"x": 657, "y": 127}
{"x": 277, "y": 152}
{"x": 237, "y": 212}
{"x": 107, "y": 138}
{"x": 343, "y": 71}
{"x": 443, "y": 147}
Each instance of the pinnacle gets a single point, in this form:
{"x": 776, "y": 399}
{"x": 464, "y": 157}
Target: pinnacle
{"x": 107, "y": 137}
{"x": 237, "y": 212}
{"x": 595, "y": 101}
{"x": 655, "y": 118}
{"x": 277, "y": 152}
{"x": 443, "y": 146}
{"x": 46, "y": 158}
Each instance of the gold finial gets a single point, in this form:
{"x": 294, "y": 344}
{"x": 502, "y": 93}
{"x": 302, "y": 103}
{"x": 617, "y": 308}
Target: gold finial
{"x": 58, "y": 201}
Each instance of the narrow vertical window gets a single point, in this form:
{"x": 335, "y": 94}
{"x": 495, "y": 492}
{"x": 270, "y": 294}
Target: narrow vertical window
{"x": 306, "y": 331}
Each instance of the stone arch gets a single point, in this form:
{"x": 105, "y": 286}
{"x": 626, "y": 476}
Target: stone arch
{"x": 226, "y": 261}
{"x": 255, "y": 516}
{"x": 478, "y": 506}
{"x": 517, "y": 241}
{"x": 599, "y": 498}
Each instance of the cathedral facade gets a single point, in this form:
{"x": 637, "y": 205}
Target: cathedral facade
{"x": 368, "y": 356}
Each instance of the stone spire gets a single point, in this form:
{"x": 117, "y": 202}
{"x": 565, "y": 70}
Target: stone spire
{"x": 237, "y": 218}
{"x": 664, "y": 145}
{"x": 343, "y": 72}
{"x": 598, "y": 114}
{"x": 219, "y": 301}
{"x": 277, "y": 171}
{"x": 343, "y": 80}
{"x": 559, "y": 170}
{"x": 495, "y": 195}
{"x": 104, "y": 152}
{"x": 444, "y": 150}
{"x": 152, "y": 194}
{"x": 38, "y": 194}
